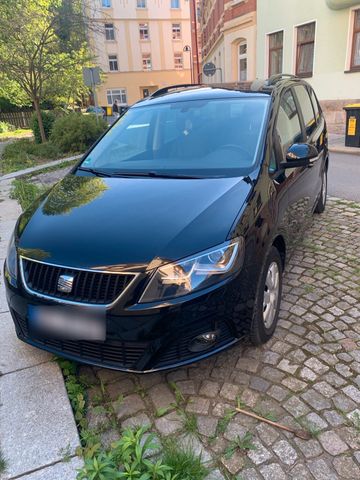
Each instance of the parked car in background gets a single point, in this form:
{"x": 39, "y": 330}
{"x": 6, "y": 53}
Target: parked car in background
{"x": 168, "y": 241}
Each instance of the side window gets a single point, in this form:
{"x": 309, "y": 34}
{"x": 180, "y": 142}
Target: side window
{"x": 288, "y": 127}
{"x": 315, "y": 105}
{"x": 306, "y": 109}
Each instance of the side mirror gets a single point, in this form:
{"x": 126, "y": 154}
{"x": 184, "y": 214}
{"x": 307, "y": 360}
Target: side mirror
{"x": 299, "y": 155}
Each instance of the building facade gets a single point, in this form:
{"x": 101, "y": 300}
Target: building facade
{"x": 228, "y": 39}
{"x": 140, "y": 45}
{"x": 317, "y": 40}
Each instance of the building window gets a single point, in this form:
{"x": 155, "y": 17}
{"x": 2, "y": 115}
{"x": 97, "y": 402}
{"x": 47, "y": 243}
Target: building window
{"x": 146, "y": 61}
{"x": 106, "y": 3}
{"x": 109, "y": 31}
{"x": 118, "y": 94}
{"x": 175, "y": 3}
{"x": 243, "y": 62}
{"x": 141, "y": 4}
{"x": 144, "y": 31}
{"x": 355, "y": 54}
{"x": 305, "y": 50}
{"x": 113, "y": 63}
{"x": 275, "y": 53}
{"x": 176, "y": 31}
{"x": 178, "y": 61}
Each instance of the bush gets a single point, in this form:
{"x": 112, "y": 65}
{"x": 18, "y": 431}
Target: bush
{"x": 48, "y": 119}
{"x": 6, "y": 127}
{"x": 25, "y": 153}
{"x": 76, "y": 132}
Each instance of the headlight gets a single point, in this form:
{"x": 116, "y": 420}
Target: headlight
{"x": 195, "y": 273}
{"x": 11, "y": 259}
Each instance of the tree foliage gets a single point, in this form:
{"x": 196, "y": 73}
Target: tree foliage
{"x": 42, "y": 49}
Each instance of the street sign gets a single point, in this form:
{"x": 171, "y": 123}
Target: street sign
{"x": 209, "y": 69}
{"x": 91, "y": 76}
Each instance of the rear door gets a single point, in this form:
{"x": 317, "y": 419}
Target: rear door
{"x": 313, "y": 129}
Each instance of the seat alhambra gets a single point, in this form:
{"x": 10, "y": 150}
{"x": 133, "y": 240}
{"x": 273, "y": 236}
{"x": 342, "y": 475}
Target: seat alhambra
{"x": 167, "y": 242}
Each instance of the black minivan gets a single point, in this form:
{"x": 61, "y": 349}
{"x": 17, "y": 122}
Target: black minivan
{"x": 167, "y": 242}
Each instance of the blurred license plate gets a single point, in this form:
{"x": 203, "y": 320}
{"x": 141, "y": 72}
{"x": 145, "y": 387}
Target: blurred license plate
{"x": 68, "y": 323}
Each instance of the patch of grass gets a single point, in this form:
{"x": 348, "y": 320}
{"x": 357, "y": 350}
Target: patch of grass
{"x": 25, "y": 153}
{"x": 3, "y": 463}
{"x": 308, "y": 288}
{"x": 190, "y": 423}
{"x": 243, "y": 444}
{"x": 25, "y": 193}
{"x": 309, "y": 427}
{"x": 224, "y": 421}
{"x": 184, "y": 463}
{"x": 19, "y": 133}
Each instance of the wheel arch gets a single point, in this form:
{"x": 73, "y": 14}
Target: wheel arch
{"x": 280, "y": 245}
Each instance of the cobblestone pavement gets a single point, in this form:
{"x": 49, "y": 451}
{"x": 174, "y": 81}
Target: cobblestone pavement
{"x": 307, "y": 376}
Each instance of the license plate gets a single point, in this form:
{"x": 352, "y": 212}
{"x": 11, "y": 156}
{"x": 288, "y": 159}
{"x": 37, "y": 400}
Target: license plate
{"x": 68, "y": 323}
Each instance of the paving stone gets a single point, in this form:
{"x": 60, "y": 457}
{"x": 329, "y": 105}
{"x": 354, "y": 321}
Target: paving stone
{"x": 277, "y": 392}
{"x": 299, "y": 472}
{"x": 248, "y": 364}
{"x": 296, "y": 407}
{"x": 109, "y": 376}
{"x": 315, "y": 420}
{"x": 267, "y": 434}
{"x": 285, "y": 452}
{"x": 260, "y": 454}
{"x": 316, "y": 366}
{"x": 96, "y": 417}
{"x": 198, "y": 405}
{"x": 325, "y": 389}
{"x": 351, "y": 436}
{"x": 120, "y": 388}
{"x": 346, "y": 467}
{"x": 186, "y": 387}
{"x": 307, "y": 374}
{"x": 209, "y": 389}
{"x": 259, "y": 384}
{"x": 129, "y": 406}
{"x": 334, "y": 418}
{"x": 344, "y": 403}
{"x": 273, "y": 471}
{"x": 353, "y": 393}
{"x": 288, "y": 367}
{"x": 59, "y": 471}
{"x": 192, "y": 443}
{"x": 215, "y": 475}
{"x": 310, "y": 448}
{"x": 317, "y": 401}
{"x": 233, "y": 464}
{"x": 321, "y": 470}
{"x": 140, "y": 420}
{"x": 332, "y": 443}
{"x": 248, "y": 474}
{"x": 161, "y": 396}
{"x": 169, "y": 424}
{"x": 235, "y": 430}
{"x": 249, "y": 397}
{"x": 294, "y": 384}
{"x": 108, "y": 437}
{"x": 229, "y": 391}
{"x": 207, "y": 425}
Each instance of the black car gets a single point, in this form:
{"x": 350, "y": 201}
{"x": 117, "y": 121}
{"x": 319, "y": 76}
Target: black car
{"x": 167, "y": 242}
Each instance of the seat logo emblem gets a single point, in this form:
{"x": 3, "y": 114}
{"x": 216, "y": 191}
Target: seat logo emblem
{"x": 65, "y": 283}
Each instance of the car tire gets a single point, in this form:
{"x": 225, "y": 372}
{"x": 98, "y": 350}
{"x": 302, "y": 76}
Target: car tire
{"x": 321, "y": 203}
{"x": 267, "y": 299}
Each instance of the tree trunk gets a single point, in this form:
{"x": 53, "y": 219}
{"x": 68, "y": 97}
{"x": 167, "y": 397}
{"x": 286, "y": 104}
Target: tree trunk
{"x": 40, "y": 121}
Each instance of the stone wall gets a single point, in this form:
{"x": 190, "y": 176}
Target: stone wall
{"x": 335, "y": 115}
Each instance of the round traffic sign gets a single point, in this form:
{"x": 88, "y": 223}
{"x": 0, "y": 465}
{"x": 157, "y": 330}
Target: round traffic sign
{"x": 209, "y": 69}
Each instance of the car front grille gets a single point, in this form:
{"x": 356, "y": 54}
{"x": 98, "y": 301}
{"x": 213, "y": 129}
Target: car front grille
{"x": 89, "y": 286}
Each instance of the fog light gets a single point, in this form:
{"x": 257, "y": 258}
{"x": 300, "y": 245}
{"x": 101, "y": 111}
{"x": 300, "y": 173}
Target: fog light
{"x": 203, "y": 342}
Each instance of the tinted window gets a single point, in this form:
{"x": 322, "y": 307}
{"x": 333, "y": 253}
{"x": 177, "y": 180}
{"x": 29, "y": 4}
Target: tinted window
{"x": 200, "y": 137}
{"x": 288, "y": 123}
{"x": 306, "y": 108}
{"x": 315, "y": 106}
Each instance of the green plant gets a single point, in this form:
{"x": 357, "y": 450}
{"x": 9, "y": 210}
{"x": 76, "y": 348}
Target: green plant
{"x": 25, "y": 153}
{"x": 101, "y": 467}
{"x": 308, "y": 427}
{"x": 190, "y": 423}
{"x": 3, "y": 464}
{"x": 76, "y": 132}
{"x": 25, "y": 193}
{"x": 48, "y": 119}
{"x": 224, "y": 421}
{"x": 183, "y": 462}
{"x": 244, "y": 444}
{"x": 6, "y": 127}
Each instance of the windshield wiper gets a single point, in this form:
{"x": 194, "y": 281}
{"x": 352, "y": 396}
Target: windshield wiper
{"x": 98, "y": 173}
{"x": 153, "y": 174}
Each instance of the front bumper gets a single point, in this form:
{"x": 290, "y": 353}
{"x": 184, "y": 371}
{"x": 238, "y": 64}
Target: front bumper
{"x": 151, "y": 339}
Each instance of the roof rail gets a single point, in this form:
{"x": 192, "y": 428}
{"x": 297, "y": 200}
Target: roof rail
{"x": 275, "y": 78}
{"x": 163, "y": 90}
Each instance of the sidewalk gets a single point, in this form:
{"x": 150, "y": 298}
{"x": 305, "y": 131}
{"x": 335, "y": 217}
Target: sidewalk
{"x": 337, "y": 145}
{"x": 37, "y": 427}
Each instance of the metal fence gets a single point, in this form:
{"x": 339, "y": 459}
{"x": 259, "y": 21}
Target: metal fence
{"x": 19, "y": 119}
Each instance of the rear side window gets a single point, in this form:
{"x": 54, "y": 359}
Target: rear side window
{"x": 306, "y": 109}
{"x": 288, "y": 123}
{"x": 315, "y": 106}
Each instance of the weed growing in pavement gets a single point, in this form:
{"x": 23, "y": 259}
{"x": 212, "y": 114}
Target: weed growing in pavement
{"x": 66, "y": 453}
{"x": 75, "y": 390}
{"x": 243, "y": 444}
{"x": 3, "y": 464}
{"x": 190, "y": 423}
{"x": 183, "y": 462}
{"x": 224, "y": 422}
{"x": 308, "y": 427}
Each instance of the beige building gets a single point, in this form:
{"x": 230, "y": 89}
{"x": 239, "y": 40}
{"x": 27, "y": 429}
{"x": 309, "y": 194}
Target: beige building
{"x": 228, "y": 38}
{"x": 318, "y": 40}
{"x": 140, "y": 47}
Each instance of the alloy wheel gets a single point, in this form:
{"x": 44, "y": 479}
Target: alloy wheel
{"x": 271, "y": 294}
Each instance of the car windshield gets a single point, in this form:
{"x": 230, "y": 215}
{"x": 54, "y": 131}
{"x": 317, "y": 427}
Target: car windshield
{"x": 217, "y": 137}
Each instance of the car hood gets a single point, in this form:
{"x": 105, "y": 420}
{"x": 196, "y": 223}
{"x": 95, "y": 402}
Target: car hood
{"x": 89, "y": 222}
